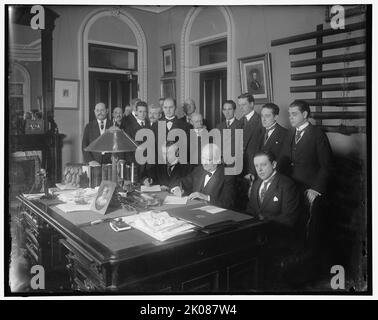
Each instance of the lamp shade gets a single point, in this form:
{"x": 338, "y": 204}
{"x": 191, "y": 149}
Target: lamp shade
{"x": 112, "y": 141}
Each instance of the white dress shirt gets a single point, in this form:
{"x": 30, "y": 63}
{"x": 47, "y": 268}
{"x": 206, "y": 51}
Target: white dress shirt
{"x": 250, "y": 115}
{"x": 99, "y": 126}
{"x": 270, "y": 179}
{"x": 301, "y": 129}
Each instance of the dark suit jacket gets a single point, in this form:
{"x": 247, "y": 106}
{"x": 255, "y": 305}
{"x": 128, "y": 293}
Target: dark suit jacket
{"x": 275, "y": 141}
{"x": 159, "y": 174}
{"x": 92, "y": 132}
{"x": 281, "y": 201}
{"x": 131, "y": 126}
{"x": 252, "y": 131}
{"x": 176, "y": 124}
{"x": 220, "y": 187}
{"x": 309, "y": 161}
{"x": 237, "y": 124}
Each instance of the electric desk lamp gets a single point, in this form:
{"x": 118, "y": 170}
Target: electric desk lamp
{"x": 114, "y": 140}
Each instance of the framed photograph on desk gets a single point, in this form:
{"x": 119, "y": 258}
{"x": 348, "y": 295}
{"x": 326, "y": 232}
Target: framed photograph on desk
{"x": 101, "y": 201}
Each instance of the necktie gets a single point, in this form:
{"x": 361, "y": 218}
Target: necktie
{"x": 142, "y": 124}
{"x": 263, "y": 190}
{"x": 228, "y": 123}
{"x": 170, "y": 169}
{"x": 245, "y": 122}
{"x": 298, "y": 135}
{"x": 266, "y": 135}
{"x": 102, "y": 125}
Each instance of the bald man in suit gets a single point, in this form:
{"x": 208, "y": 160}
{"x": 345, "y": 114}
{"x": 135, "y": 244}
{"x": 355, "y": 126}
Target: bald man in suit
{"x": 208, "y": 181}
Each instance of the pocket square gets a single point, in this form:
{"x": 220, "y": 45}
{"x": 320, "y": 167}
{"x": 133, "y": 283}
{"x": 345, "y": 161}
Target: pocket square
{"x": 275, "y": 199}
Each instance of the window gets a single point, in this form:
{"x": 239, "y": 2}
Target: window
{"x": 108, "y": 57}
{"x": 16, "y": 97}
{"x": 213, "y": 53}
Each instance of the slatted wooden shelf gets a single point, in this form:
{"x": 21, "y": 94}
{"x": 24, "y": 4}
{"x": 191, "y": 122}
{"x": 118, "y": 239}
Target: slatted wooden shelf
{"x": 329, "y": 45}
{"x": 330, "y": 59}
{"x": 315, "y": 34}
{"x": 338, "y": 115}
{"x": 319, "y": 75}
{"x": 337, "y": 73}
{"x": 343, "y": 101}
{"x": 330, "y": 87}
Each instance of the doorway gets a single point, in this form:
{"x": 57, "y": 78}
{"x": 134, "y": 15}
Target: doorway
{"x": 113, "y": 89}
{"x": 213, "y": 92}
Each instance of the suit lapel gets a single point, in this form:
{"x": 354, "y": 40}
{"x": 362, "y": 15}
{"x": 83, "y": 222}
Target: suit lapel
{"x": 272, "y": 138}
{"x": 270, "y": 192}
{"x": 255, "y": 193}
{"x": 214, "y": 180}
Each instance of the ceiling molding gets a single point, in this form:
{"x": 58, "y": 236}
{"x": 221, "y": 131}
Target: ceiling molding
{"x": 154, "y": 9}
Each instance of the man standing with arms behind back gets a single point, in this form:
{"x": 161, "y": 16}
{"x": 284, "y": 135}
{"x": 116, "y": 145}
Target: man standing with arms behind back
{"x": 92, "y": 131}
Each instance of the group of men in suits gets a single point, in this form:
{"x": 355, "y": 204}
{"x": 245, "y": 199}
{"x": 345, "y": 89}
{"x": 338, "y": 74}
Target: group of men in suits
{"x": 282, "y": 169}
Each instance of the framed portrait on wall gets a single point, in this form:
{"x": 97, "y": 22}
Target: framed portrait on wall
{"x": 256, "y": 77}
{"x": 168, "y": 88}
{"x": 66, "y": 94}
{"x": 169, "y": 60}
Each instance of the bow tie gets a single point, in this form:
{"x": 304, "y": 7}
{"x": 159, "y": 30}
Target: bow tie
{"x": 169, "y": 120}
{"x": 209, "y": 174}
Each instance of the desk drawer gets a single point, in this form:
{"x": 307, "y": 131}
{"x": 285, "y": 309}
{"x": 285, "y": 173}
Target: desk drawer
{"x": 84, "y": 262}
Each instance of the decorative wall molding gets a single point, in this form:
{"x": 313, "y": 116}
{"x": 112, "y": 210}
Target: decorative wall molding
{"x": 26, "y": 84}
{"x": 83, "y": 41}
{"x": 187, "y": 69}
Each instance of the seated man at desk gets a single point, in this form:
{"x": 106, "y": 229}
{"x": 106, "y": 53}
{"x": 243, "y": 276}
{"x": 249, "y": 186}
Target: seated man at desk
{"x": 273, "y": 196}
{"x": 208, "y": 180}
{"x": 168, "y": 174}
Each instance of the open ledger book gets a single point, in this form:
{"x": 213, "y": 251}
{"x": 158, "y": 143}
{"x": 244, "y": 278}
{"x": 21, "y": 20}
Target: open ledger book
{"x": 159, "y": 225}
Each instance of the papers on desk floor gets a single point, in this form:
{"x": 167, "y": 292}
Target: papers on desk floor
{"x": 154, "y": 188}
{"x": 159, "y": 225}
{"x": 175, "y": 200}
{"x": 211, "y": 209}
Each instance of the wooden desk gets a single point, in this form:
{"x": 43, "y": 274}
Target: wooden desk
{"x": 99, "y": 259}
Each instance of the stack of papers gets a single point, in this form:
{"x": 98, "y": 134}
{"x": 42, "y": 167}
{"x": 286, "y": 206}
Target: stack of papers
{"x": 211, "y": 209}
{"x": 154, "y": 188}
{"x": 159, "y": 225}
{"x": 175, "y": 200}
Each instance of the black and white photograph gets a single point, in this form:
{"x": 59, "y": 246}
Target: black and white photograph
{"x": 256, "y": 77}
{"x": 231, "y": 142}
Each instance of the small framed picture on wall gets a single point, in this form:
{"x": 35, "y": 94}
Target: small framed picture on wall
{"x": 256, "y": 77}
{"x": 169, "y": 60}
{"x": 66, "y": 94}
{"x": 168, "y": 88}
